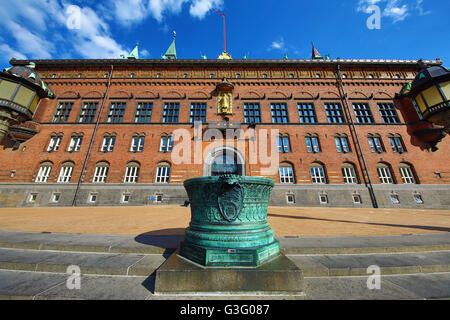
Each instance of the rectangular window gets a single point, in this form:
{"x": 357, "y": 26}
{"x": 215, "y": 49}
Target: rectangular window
{"x": 108, "y": 144}
{"x": 166, "y": 144}
{"x": 93, "y": 197}
{"x": 323, "y": 199}
{"x": 418, "y": 198}
{"x": 395, "y": 199}
{"x": 53, "y": 146}
{"x": 125, "y": 198}
{"x": 100, "y": 174}
{"x": 286, "y": 175}
{"x": 290, "y": 198}
{"x": 163, "y": 175}
{"x": 55, "y": 197}
{"x": 385, "y": 175}
{"x": 252, "y": 113}
{"x": 356, "y": 199}
{"x": 334, "y": 113}
{"x": 279, "y": 113}
{"x": 88, "y": 112}
{"x": 407, "y": 175}
{"x": 375, "y": 144}
{"x": 32, "y": 198}
{"x": 171, "y": 113}
{"x": 363, "y": 113}
{"x": 342, "y": 144}
{"x": 349, "y": 175}
{"x": 75, "y": 144}
{"x": 396, "y": 144}
{"x": 116, "y": 112}
{"x": 65, "y": 174}
{"x": 137, "y": 144}
{"x": 63, "y": 111}
{"x": 198, "y": 112}
{"x": 318, "y": 175}
{"x": 143, "y": 112}
{"x": 388, "y": 113}
{"x": 312, "y": 144}
{"x": 132, "y": 174}
{"x": 284, "y": 145}
{"x": 43, "y": 174}
{"x": 307, "y": 113}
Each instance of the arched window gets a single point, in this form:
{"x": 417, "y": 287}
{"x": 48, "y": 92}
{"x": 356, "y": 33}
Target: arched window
{"x": 166, "y": 143}
{"x": 396, "y": 142}
{"x": 318, "y": 173}
{"x": 407, "y": 172}
{"x": 375, "y": 143}
{"x": 385, "y": 174}
{"x": 284, "y": 145}
{"x": 349, "y": 173}
{"x": 66, "y": 172}
{"x": 286, "y": 173}
{"x": 44, "y": 172}
{"x": 163, "y": 172}
{"x": 101, "y": 172}
{"x": 132, "y": 172}
{"x": 342, "y": 145}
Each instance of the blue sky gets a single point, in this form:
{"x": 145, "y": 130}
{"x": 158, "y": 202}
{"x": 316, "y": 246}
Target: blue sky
{"x": 264, "y": 29}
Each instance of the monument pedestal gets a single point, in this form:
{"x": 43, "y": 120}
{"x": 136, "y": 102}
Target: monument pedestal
{"x": 276, "y": 277}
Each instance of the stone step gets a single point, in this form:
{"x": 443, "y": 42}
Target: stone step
{"x": 89, "y": 263}
{"x": 358, "y": 264}
{"x": 148, "y": 244}
{"x": 47, "y": 286}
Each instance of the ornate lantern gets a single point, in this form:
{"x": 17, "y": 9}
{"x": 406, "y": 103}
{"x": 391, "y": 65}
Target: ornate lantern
{"x": 21, "y": 90}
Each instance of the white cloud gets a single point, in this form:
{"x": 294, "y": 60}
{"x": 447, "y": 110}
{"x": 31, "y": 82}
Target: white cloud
{"x": 422, "y": 11}
{"x": 9, "y": 52}
{"x": 394, "y": 9}
{"x": 278, "y": 44}
{"x": 199, "y": 8}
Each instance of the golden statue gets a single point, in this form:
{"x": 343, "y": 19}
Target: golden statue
{"x": 225, "y": 103}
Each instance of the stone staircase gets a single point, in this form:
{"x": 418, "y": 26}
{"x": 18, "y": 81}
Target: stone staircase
{"x": 35, "y": 266}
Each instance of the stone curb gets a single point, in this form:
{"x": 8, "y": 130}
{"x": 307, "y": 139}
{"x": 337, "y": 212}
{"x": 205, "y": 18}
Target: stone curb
{"x": 296, "y": 251}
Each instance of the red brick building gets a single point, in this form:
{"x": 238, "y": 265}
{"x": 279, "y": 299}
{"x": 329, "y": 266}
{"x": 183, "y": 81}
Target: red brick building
{"x": 342, "y": 142}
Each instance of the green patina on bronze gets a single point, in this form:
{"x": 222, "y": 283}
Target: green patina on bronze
{"x": 229, "y": 226}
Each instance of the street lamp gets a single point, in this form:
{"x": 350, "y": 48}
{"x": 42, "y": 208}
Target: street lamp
{"x": 21, "y": 90}
{"x": 430, "y": 95}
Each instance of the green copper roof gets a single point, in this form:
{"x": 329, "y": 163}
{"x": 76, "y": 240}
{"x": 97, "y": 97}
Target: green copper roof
{"x": 135, "y": 53}
{"x": 171, "y": 53}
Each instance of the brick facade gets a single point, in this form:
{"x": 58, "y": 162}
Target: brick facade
{"x": 184, "y": 82}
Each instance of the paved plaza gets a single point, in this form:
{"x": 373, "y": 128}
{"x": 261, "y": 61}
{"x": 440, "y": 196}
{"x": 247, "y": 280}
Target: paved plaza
{"x": 172, "y": 220}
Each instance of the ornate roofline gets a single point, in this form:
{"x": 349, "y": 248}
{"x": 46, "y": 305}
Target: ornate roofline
{"x": 228, "y": 63}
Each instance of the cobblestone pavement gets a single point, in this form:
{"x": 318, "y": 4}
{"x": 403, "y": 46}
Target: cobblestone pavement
{"x": 172, "y": 220}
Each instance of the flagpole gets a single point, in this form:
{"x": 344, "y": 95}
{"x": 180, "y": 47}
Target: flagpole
{"x": 224, "y": 31}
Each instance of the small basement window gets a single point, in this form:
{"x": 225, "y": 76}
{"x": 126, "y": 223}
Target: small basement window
{"x": 32, "y": 197}
{"x": 323, "y": 198}
{"x": 356, "y": 199}
{"x": 55, "y": 197}
{"x": 290, "y": 198}
{"x": 126, "y": 198}
{"x": 93, "y": 197}
{"x": 395, "y": 199}
{"x": 418, "y": 198}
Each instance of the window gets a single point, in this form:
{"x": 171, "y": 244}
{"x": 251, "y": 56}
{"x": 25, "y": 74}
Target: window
{"x": 356, "y": 199}
{"x": 137, "y": 144}
{"x": 312, "y": 144}
{"x": 252, "y": 113}
{"x": 88, "y": 112}
{"x": 171, "y": 113}
{"x": 376, "y": 146}
{"x": 44, "y": 172}
{"x": 238, "y": 75}
{"x": 93, "y": 197}
{"x": 32, "y": 197}
{"x": 108, "y": 143}
{"x": 101, "y": 172}
{"x": 283, "y": 144}
{"x": 166, "y": 144}
{"x": 349, "y": 174}
{"x": 418, "y": 198}
{"x": 396, "y": 144}
{"x": 279, "y": 113}
{"x": 75, "y": 144}
{"x": 395, "y": 199}
{"x": 342, "y": 145}
{"x": 55, "y": 197}
{"x": 388, "y": 113}
{"x": 384, "y": 172}
{"x": 66, "y": 173}
{"x": 143, "y": 112}
{"x": 363, "y": 113}
{"x": 54, "y": 143}
{"x": 132, "y": 75}
{"x": 334, "y": 113}
{"x": 63, "y": 111}
{"x": 318, "y": 174}
{"x": 163, "y": 173}
{"x": 286, "y": 173}
{"x": 307, "y": 113}
{"x": 290, "y": 198}
{"x": 407, "y": 174}
{"x": 211, "y": 75}
{"x": 198, "y": 112}
{"x": 125, "y": 198}
{"x": 323, "y": 198}
{"x": 116, "y": 112}
{"x": 132, "y": 173}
